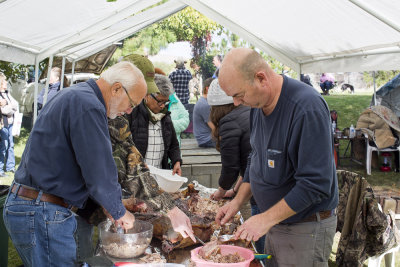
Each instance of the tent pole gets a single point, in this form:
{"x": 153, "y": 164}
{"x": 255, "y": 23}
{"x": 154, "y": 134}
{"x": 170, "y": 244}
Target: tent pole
{"x": 46, "y": 88}
{"x": 373, "y": 12}
{"x": 62, "y": 74}
{"x": 299, "y": 73}
{"x": 72, "y": 73}
{"x": 35, "y": 93}
{"x": 373, "y": 74}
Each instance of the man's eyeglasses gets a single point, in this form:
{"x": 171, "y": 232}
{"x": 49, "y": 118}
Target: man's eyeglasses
{"x": 159, "y": 102}
{"x": 133, "y": 105}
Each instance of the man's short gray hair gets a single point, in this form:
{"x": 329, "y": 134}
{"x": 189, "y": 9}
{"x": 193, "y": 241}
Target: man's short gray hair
{"x": 124, "y": 72}
{"x": 164, "y": 85}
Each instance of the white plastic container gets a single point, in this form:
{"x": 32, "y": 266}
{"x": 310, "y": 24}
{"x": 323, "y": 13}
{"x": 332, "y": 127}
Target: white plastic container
{"x": 352, "y": 132}
{"x": 168, "y": 182}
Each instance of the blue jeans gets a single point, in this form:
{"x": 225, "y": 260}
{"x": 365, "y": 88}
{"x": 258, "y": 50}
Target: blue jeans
{"x": 260, "y": 242}
{"x": 326, "y": 86}
{"x": 210, "y": 143}
{"x": 42, "y": 232}
{"x": 7, "y": 149}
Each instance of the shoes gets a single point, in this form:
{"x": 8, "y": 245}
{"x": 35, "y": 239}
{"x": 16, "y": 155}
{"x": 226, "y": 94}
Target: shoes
{"x": 11, "y": 171}
{"x": 2, "y": 174}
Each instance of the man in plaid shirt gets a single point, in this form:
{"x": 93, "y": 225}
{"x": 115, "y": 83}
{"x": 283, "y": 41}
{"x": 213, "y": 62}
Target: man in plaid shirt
{"x": 180, "y": 79}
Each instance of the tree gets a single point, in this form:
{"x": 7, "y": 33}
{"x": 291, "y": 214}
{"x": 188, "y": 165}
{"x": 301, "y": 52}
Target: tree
{"x": 185, "y": 25}
{"x": 231, "y": 40}
{"x": 13, "y": 71}
{"x": 381, "y": 77}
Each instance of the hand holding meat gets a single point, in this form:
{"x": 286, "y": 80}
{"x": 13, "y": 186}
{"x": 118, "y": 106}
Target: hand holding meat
{"x": 126, "y": 221}
{"x": 181, "y": 223}
{"x": 227, "y": 212}
{"x": 219, "y": 194}
{"x": 254, "y": 228}
{"x": 177, "y": 169}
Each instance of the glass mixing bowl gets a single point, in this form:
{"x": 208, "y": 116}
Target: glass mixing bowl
{"x": 125, "y": 245}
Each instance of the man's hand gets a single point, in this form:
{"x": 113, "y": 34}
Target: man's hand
{"x": 3, "y": 102}
{"x": 254, "y": 228}
{"x": 219, "y": 194}
{"x": 177, "y": 169}
{"x": 226, "y": 212}
{"x": 126, "y": 221}
{"x": 258, "y": 225}
{"x": 181, "y": 223}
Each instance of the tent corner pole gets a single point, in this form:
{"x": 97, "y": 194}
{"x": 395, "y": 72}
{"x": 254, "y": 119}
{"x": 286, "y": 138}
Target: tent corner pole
{"x": 35, "y": 93}
{"x": 62, "y": 74}
{"x": 299, "y": 71}
{"x": 373, "y": 74}
{"x": 72, "y": 73}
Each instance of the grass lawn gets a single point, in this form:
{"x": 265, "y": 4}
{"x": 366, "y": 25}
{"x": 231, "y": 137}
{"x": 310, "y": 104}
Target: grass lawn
{"x": 349, "y": 107}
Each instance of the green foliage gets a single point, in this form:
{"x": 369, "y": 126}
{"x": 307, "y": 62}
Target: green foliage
{"x": 149, "y": 41}
{"x": 186, "y": 25}
{"x": 190, "y": 25}
{"x": 13, "y": 71}
{"x": 381, "y": 77}
{"x": 206, "y": 65}
{"x": 232, "y": 40}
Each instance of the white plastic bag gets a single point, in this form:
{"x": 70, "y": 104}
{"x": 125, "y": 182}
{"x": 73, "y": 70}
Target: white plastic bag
{"x": 17, "y": 124}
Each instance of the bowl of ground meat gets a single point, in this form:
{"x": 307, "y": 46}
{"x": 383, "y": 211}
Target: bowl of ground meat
{"x": 129, "y": 244}
{"x": 221, "y": 255}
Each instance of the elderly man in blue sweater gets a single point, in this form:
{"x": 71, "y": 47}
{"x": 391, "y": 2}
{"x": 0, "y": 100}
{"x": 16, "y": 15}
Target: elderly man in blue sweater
{"x": 291, "y": 171}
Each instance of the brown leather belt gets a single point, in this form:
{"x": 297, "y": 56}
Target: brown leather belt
{"x": 33, "y": 194}
{"x": 322, "y": 215}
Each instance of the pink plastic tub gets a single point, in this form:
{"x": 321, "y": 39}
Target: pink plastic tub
{"x": 247, "y": 254}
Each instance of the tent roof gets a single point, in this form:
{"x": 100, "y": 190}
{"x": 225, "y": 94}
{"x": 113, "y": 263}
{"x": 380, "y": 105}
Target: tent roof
{"x": 308, "y": 36}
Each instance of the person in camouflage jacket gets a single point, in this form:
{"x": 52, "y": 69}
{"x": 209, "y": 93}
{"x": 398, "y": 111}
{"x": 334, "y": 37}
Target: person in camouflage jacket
{"x": 133, "y": 174}
{"x": 365, "y": 230}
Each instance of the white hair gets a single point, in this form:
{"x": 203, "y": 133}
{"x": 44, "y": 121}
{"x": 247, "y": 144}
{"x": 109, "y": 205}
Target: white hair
{"x": 164, "y": 85}
{"x": 124, "y": 72}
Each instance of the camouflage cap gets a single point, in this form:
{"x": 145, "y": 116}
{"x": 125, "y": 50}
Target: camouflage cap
{"x": 147, "y": 68}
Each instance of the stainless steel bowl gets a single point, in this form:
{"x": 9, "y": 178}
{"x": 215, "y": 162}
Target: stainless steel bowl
{"x": 125, "y": 245}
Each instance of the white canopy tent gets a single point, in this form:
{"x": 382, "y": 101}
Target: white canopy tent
{"x": 308, "y": 36}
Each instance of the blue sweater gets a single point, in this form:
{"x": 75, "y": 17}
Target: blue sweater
{"x": 69, "y": 154}
{"x": 292, "y": 153}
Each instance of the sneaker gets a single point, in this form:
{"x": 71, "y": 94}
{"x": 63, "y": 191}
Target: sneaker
{"x": 12, "y": 170}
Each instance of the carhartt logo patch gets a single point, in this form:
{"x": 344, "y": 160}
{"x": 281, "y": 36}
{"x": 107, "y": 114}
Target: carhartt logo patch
{"x": 271, "y": 163}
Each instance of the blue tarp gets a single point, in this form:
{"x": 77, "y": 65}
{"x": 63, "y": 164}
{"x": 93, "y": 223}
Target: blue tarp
{"x": 389, "y": 86}
{"x": 389, "y": 95}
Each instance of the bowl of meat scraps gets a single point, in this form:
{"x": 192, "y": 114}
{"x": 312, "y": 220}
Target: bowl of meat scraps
{"x": 129, "y": 244}
{"x": 214, "y": 254}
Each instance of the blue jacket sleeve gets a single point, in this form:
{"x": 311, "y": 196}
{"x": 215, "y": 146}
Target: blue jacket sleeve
{"x": 311, "y": 153}
{"x": 92, "y": 146}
